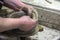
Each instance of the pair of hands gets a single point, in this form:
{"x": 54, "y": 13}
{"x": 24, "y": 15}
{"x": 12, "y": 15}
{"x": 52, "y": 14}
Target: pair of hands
{"x": 24, "y": 23}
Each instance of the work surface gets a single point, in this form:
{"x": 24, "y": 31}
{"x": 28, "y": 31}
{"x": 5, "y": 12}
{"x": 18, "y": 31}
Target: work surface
{"x": 47, "y": 34}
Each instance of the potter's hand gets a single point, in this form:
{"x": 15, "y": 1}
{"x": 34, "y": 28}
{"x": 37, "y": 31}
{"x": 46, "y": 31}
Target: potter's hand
{"x": 27, "y": 23}
{"x": 24, "y": 23}
{"x": 17, "y": 5}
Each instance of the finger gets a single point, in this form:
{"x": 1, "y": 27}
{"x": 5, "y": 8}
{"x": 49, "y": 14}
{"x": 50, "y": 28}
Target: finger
{"x": 25, "y": 17}
{"x": 34, "y": 20}
{"x": 17, "y": 5}
{"x": 30, "y": 11}
{"x": 12, "y": 6}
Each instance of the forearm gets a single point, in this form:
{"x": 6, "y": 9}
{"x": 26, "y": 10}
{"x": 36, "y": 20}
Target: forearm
{"x": 8, "y": 24}
{"x": 2, "y": 23}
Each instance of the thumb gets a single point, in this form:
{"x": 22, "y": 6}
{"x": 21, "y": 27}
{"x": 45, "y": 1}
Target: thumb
{"x": 35, "y": 21}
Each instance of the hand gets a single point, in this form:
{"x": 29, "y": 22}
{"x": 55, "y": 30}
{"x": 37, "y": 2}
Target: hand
{"x": 17, "y": 5}
{"x": 24, "y": 23}
{"x": 27, "y": 23}
{"x": 29, "y": 9}
{"x": 13, "y": 4}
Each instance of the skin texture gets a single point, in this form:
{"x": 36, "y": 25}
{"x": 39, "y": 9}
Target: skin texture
{"x": 24, "y": 23}
{"x": 12, "y": 23}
